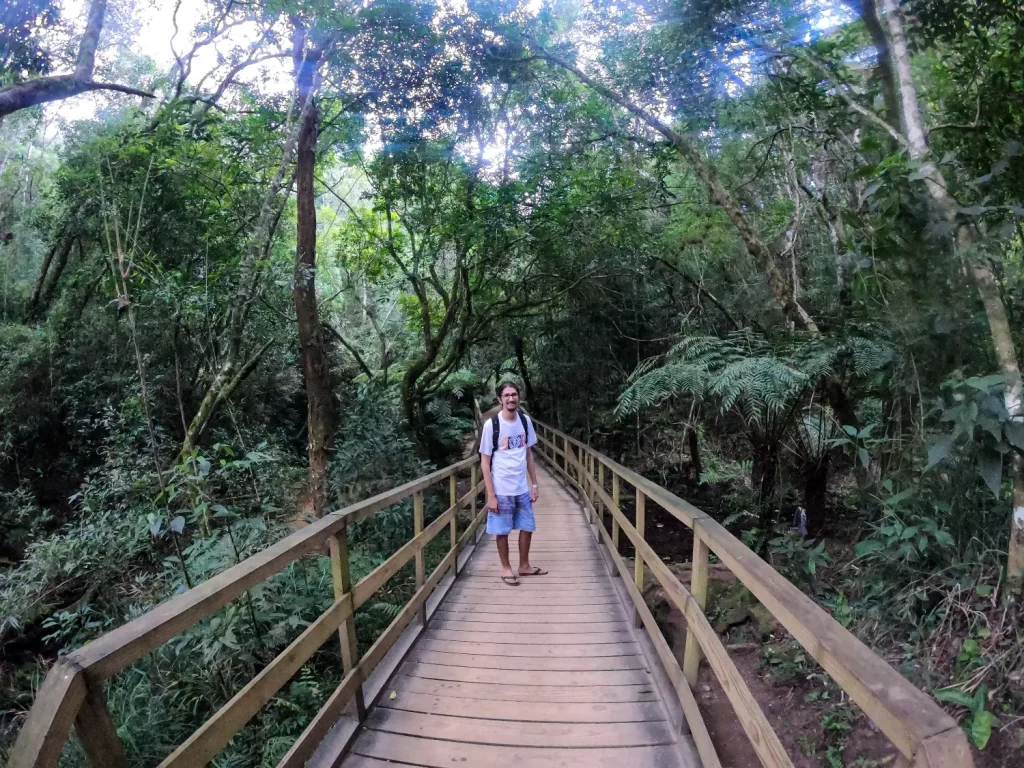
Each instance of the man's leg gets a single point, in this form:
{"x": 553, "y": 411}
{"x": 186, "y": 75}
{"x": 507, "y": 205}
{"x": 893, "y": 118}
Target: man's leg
{"x": 506, "y": 568}
{"x": 524, "y": 551}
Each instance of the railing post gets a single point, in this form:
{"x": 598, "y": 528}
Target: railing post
{"x": 453, "y": 497}
{"x": 615, "y": 500}
{"x": 638, "y": 564}
{"x": 599, "y": 505}
{"x": 472, "y": 503}
{"x": 417, "y": 529}
{"x": 96, "y": 730}
{"x": 699, "y": 589}
{"x": 342, "y": 579}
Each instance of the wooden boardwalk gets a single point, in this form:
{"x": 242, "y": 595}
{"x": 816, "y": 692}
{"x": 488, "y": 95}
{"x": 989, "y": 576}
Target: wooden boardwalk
{"x": 546, "y": 674}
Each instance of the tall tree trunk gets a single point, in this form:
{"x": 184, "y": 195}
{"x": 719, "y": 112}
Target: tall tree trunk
{"x": 981, "y": 272}
{"x": 523, "y": 370}
{"x": 815, "y": 494}
{"x": 315, "y": 367}
{"x": 868, "y": 12}
{"x": 762, "y": 255}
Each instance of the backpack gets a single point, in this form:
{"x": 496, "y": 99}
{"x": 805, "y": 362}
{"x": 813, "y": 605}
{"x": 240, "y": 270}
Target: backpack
{"x": 496, "y": 430}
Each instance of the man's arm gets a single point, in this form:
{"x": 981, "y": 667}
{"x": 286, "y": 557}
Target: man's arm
{"x": 485, "y": 467}
{"x": 531, "y": 470}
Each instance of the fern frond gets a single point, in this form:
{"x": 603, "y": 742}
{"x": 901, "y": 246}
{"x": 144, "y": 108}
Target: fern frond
{"x": 656, "y": 386}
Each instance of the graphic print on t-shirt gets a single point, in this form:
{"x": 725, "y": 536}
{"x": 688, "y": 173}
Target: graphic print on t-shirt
{"x": 512, "y": 441}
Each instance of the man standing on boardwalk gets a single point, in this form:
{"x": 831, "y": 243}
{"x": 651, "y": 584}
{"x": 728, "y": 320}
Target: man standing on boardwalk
{"x": 506, "y": 457}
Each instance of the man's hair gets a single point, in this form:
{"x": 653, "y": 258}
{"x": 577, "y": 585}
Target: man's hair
{"x": 505, "y": 385}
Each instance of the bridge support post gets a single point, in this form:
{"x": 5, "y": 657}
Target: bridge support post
{"x": 615, "y": 500}
{"x": 638, "y": 564}
{"x": 417, "y": 529}
{"x": 342, "y": 579}
{"x": 96, "y": 730}
{"x": 699, "y": 589}
{"x": 454, "y": 530}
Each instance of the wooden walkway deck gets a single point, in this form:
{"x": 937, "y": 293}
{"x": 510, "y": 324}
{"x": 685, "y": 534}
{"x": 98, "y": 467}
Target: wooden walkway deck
{"x": 546, "y": 674}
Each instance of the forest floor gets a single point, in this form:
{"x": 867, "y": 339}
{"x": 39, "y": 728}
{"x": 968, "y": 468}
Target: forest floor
{"x": 816, "y": 723}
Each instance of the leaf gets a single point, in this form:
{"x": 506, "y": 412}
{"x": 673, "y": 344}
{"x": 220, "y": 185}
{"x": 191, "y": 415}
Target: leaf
{"x": 865, "y": 548}
{"x": 955, "y": 696}
{"x": 393, "y": 695}
{"x": 984, "y": 590}
{"x": 155, "y": 525}
{"x": 219, "y": 510}
{"x": 1014, "y": 431}
{"x": 850, "y": 430}
{"x": 985, "y": 383}
{"x": 944, "y": 538}
{"x": 990, "y": 467}
{"x": 204, "y": 466}
{"x": 178, "y": 524}
{"x": 811, "y": 566}
{"x": 863, "y": 457}
{"x": 981, "y": 728}
{"x": 938, "y": 452}
{"x": 922, "y": 543}
{"x": 909, "y": 532}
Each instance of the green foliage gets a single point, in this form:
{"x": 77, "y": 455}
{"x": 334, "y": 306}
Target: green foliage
{"x": 978, "y": 721}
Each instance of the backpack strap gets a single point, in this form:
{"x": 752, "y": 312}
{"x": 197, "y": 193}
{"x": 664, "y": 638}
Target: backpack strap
{"x": 526, "y": 428}
{"x": 495, "y": 430}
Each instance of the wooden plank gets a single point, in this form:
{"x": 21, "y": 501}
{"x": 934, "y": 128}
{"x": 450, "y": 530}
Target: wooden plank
{"x": 699, "y": 590}
{"x": 515, "y": 627}
{"x": 537, "y": 609}
{"x": 552, "y": 694}
{"x": 467, "y": 635}
{"x": 492, "y": 709}
{"x": 528, "y": 622}
{"x": 532, "y": 597}
{"x": 306, "y": 744}
{"x": 454, "y": 532}
{"x": 504, "y": 677}
{"x": 48, "y": 724}
{"x": 529, "y": 663}
{"x": 444, "y": 754}
{"x": 523, "y": 734}
{"x": 539, "y": 650}
{"x": 97, "y": 733}
{"x": 120, "y": 647}
{"x": 216, "y": 732}
{"x": 342, "y": 580}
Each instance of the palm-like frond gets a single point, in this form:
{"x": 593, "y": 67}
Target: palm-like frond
{"x": 655, "y": 386}
{"x": 816, "y": 432}
{"x": 760, "y": 387}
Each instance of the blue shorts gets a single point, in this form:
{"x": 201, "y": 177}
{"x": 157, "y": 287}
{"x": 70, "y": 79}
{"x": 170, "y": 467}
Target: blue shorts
{"x": 513, "y": 512}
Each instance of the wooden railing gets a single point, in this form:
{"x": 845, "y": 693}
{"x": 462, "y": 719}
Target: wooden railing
{"x": 73, "y": 690}
{"x": 924, "y": 735}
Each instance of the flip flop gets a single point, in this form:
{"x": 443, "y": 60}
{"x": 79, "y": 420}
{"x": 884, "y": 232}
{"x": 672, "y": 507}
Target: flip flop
{"x": 512, "y": 581}
{"x": 535, "y": 572}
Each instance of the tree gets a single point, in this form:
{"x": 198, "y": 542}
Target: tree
{"x": 49, "y": 88}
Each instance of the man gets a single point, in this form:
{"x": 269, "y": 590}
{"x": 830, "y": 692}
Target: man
{"x": 506, "y": 457}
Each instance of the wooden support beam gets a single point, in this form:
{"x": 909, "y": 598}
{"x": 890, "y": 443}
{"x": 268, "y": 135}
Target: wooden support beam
{"x": 342, "y": 579}
{"x": 97, "y": 732}
{"x": 454, "y": 533}
{"x": 638, "y": 564}
{"x": 42, "y": 738}
{"x": 699, "y": 590}
{"x": 417, "y": 528}
{"x": 615, "y": 500}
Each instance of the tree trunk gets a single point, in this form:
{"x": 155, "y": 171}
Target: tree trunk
{"x": 696, "y": 465}
{"x": 868, "y": 12}
{"x": 815, "y": 494}
{"x": 988, "y": 288}
{"x": 523, "y": 370}
{"x": 315, "y": 367}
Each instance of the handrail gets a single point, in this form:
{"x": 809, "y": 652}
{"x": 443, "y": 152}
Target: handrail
{"x": 72, "y": 692}
{"x": 921, "y": 731}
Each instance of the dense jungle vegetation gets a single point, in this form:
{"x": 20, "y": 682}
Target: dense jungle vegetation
{"x": 261, "y": 260}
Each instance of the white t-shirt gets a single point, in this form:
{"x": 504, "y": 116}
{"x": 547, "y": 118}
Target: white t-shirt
{"x": 508, "y": 464}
